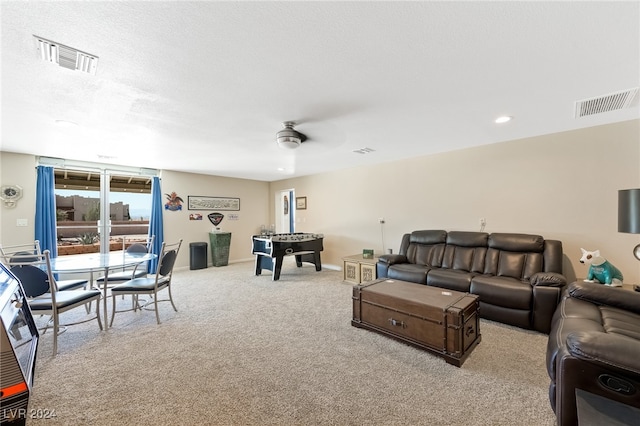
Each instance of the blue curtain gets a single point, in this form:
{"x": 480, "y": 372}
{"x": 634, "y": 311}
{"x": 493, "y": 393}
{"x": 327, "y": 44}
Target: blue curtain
{"x": 155, "y": 223}
{"x": 46, "y": 210}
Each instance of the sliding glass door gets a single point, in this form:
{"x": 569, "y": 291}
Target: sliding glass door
{"x": 97, "y": 208}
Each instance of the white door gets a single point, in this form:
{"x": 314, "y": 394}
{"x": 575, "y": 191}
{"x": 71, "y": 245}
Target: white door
{"x": 285, "y": 215}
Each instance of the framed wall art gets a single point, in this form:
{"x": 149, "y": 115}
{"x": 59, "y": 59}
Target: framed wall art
{"x": 196, "y": 202}
{"x": 301, "y": 203}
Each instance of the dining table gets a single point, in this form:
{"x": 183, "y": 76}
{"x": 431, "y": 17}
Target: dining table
{"x": 100, "y": 263}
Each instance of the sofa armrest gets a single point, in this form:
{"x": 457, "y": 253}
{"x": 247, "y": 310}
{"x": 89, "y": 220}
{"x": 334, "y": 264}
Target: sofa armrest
{"x": 392, "y": 259}
{"x": 601, "y": 294}
{"x": 545, "y": 303}
{"x": 386, "y": 260}
{"x": 549, "y": 279}
{"x": 606, "y": 349}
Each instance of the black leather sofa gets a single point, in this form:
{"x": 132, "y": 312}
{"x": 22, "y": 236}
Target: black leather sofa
{"x": 518, "y": 277}
{"x": 594, "y": 346}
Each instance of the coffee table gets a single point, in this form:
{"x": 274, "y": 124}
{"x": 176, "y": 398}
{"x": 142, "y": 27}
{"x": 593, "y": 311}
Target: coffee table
{"x": 440, "y": 321}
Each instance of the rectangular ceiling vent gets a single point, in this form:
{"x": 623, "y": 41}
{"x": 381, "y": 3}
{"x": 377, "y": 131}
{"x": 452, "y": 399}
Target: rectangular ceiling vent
{"x": 65, "y": 56}
{"x": 363, "y": 150}
{"x": 606, "y": 103}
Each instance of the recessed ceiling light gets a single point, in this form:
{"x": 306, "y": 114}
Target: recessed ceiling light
{"x": 504, "y": 119}
{"x": 65, "y": 123}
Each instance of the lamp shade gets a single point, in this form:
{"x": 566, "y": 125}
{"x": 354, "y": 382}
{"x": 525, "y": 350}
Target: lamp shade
{"x": 629, "y": 211}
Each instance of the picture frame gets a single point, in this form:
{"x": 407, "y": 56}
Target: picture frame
{"x": 197, "y": 202}
{"x": 301, "y": 203}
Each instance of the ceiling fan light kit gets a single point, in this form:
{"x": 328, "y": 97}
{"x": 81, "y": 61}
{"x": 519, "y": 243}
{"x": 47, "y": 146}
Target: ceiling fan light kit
{"x": 288, "y": 142}
{"x": 288, "y": 137}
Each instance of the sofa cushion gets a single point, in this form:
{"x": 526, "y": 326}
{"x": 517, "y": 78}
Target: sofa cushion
{"x": 465, "y": 251}
{"x": 428, "y": 237}
{"x": 426, "y": 247}
{"x": 467, "y": 239}
{"x": 579, "y": 309}
{"x": 518, "y": 317}
{"x": 516, "y": 242}
{"x": 450, "y": 278}
{"x": 605, "y": 295}
{"x": 619, "y": 321}
{"x": 571, "y": 315}
{"x": 514, "y": 255}
{"x": 502, "y": 291}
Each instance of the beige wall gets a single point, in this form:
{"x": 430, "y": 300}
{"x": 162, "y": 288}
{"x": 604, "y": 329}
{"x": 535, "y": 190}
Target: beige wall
{"x": 253, "y": 212}
{"x": 561, "y": 186}
{"x": 18, "y": 169}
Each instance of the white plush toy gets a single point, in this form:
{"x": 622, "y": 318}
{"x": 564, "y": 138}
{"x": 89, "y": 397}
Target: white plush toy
{"x": 600, "y": 269}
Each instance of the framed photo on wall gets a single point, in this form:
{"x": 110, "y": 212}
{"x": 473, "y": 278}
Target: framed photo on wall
{"x": 213, "y": 203}
{"x": 301, "y": 203}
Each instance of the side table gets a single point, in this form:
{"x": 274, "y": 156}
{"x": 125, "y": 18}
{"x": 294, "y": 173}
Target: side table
{"x": 357, "y": 269}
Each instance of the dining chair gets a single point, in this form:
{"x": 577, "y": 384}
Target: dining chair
{"x": 150, "y": 285}
{"x": 43, "y": 295}
{"x": 7, "y": 252}
{"x": 138, "y": 271}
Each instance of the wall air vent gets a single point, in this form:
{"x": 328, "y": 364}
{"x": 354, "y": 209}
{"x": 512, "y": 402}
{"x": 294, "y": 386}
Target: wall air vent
{"x": 363, "y": 150}
{"x": 606, "y": 103}
{"x": 65, "y": 56}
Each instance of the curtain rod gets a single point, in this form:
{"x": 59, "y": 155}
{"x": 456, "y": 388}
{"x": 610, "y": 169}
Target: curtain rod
{"x": 61, "y": 163}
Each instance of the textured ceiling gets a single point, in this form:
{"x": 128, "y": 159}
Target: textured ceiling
{"x": 204, "y": 86}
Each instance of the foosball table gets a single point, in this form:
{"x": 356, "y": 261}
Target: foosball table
{"x": 271, "y": 249}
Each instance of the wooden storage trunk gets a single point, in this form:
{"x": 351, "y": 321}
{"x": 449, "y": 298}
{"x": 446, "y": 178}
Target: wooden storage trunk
{"x": 443, "y": 322}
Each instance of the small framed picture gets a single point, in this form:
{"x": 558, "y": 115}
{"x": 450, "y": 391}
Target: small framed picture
{"x": 301, "y": 203}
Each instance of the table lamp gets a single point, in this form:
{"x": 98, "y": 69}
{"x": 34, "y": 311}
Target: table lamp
{"x": 629, "y": 214}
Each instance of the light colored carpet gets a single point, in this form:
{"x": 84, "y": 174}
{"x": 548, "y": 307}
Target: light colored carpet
{"x": 245, "y": 350}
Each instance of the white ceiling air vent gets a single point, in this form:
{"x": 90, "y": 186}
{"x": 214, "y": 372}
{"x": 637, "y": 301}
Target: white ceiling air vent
{"x": 363, "y": 150}
{"x": 606, "y": 103}
{"x": 65, "y": 56}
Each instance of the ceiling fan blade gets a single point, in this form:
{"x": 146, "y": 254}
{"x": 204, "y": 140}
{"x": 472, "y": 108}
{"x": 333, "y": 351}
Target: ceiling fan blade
{"x": 327, "y": 112}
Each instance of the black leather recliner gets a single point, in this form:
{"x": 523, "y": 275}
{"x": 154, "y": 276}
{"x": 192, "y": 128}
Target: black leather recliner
{"x": 594, "y": 346}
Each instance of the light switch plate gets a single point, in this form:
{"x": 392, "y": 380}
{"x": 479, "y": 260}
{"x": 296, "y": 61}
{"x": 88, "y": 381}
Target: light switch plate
{"x": 21, "y": 222}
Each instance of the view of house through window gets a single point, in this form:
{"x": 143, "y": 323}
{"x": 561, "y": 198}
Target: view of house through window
{"x": 79, "y": 198}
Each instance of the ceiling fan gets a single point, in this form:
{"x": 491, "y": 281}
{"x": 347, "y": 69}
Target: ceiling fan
{"x": 288, "y": 137}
